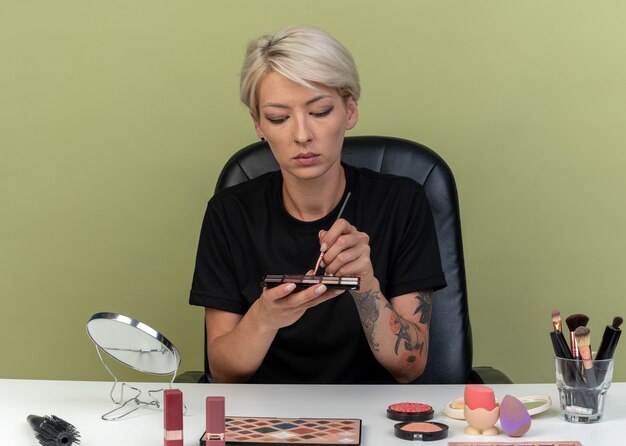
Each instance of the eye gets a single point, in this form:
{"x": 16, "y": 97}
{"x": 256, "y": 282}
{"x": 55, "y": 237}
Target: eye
{"x": 278, "y": 120}
{"x": 323, "y": 113}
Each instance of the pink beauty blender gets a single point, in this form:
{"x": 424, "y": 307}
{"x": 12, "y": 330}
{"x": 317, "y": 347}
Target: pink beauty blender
{"x": 479, "y": 397}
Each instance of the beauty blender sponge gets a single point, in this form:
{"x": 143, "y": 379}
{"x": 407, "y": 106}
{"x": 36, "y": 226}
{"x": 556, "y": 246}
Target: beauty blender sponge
{"x": 514, "y": 418}
{"x": 477, "y": 396}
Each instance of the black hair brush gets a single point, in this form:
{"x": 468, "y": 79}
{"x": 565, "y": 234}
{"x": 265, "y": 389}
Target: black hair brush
{"x": 53, "y": 431}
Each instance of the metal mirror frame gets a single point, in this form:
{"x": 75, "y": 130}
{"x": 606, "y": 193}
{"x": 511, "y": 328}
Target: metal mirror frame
{"x": 133, "y": 402}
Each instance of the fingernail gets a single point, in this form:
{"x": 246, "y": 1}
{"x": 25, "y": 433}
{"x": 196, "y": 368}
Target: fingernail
{"x": 323, "y": 247}
{"x": 290, "y": 287}
{"x": 320, "y": 289}
{"x": 338, "y": 292}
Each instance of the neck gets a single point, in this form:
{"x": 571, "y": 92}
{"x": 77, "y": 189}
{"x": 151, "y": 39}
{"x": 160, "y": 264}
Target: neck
{"x": 310, "y": 200}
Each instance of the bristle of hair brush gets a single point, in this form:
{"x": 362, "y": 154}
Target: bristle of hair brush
{"x": 53, "y": 431}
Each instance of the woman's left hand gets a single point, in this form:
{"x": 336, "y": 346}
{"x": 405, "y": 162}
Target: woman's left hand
{"x": 347, "y": 253}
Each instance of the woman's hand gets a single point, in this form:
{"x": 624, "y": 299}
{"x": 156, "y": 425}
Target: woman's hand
{"x": 347, "y": 253}
{"x": 280, "y": 306}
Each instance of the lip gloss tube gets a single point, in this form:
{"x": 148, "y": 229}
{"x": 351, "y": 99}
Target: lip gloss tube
{"x": 215, "y": 421}
{"x": 173, "y": 417}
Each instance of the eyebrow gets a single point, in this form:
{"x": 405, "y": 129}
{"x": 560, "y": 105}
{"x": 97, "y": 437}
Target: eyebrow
{"x": 309, "y": 102}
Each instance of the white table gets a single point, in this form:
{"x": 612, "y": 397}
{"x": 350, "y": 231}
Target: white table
{"x": 82, "y": 403}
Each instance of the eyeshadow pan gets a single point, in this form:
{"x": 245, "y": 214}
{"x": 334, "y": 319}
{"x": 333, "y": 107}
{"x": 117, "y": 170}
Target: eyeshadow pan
{"x": 286, "y": 426}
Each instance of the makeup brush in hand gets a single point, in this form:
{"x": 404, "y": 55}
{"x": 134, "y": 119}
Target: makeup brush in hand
{"x": 53, "y": 431}
{"x": 573, "y": 322}
{"x": 583, "y": 341}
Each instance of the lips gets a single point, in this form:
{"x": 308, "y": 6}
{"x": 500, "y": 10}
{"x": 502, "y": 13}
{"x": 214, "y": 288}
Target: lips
{"x": 306, "y": 159}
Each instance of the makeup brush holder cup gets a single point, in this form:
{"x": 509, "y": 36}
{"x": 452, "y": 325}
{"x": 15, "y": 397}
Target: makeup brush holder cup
{"x": 582, "y": 389}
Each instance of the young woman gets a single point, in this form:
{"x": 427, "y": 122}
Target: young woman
{"x": 301, "y": 87}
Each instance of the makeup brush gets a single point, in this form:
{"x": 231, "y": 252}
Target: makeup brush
{"x": 559, "y": 344}
{"x": 583, "y": 342}
{"x": 53, "y": 431}
{"x": 609, "y": 339}
{"x": 319, "y": 259}
{"x": 556, "y": 320}
{"x": 573, "y": 322}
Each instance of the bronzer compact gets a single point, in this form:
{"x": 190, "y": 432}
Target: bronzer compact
{"x": 415, "y": 424}
{"x": 421, "y": 430}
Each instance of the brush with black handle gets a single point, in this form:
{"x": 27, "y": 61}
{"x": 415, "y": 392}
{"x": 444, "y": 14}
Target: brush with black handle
{"x": 607, "y": 347}
{"x": 53, "y": 431}
{"x": 559, "y": 344}
{"x": 609, "y": 339}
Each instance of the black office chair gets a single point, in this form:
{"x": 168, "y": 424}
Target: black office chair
{"x": 450, "y": 349}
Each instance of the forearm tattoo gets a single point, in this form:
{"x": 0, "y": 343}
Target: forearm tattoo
{"x": 369, "y": 314}
{"x": 424, "y": 306}
{"x": 410, "y": 335}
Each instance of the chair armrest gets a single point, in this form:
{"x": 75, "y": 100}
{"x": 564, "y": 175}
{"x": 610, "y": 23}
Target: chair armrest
{"x": 488, "y": 375}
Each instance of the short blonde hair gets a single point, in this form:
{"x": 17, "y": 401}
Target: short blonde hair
{"x": 303, "y": 54}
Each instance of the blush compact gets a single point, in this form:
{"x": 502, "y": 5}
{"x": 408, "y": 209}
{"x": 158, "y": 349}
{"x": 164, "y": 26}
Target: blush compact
{"x": 410, "y": 412}
{"x": 421, "y": 430}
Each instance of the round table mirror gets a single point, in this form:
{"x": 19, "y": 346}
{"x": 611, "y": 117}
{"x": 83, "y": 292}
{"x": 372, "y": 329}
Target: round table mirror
{"x": 133, "y": 343}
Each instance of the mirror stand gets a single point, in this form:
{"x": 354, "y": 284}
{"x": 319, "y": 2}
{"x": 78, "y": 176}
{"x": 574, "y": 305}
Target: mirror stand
{"x": 137, "y": 346}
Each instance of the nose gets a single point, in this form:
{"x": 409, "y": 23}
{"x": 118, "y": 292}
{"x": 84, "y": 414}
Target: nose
{"x": 302, "y": 133}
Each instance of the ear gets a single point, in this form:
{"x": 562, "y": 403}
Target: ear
{"x": 353, "y": 113}
{"x": 257, "y": 127}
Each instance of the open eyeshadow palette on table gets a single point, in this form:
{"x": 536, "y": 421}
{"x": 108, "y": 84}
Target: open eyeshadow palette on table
{"x": 250, "y": 431}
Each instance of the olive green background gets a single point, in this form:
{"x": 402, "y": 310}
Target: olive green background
{"x": 116, "y": 117}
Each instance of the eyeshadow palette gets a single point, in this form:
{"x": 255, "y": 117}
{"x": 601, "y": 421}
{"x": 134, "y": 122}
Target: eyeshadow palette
{"x": 515, "y": 443}
{"x": 251, "y": 431}
{"x": 305, "y": 281}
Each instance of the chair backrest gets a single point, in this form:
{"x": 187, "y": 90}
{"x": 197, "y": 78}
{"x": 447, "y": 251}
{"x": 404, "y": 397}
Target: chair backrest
{"x": 450, "y": 350}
